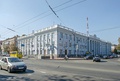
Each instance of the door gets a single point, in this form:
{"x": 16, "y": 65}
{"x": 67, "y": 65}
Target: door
{"x": 44, "y": 52}
{"x": 65, "y": 52}
{"x": 2, "y": 63}
{"x": 5, "y": 63}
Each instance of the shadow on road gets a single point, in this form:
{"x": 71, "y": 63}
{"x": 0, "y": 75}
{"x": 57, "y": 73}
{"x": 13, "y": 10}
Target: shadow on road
{"x": 15, "y": 78}
{"x": 103, "y": 61}
{"x": 70, "y": 78}
{"x": 27, "y": 72}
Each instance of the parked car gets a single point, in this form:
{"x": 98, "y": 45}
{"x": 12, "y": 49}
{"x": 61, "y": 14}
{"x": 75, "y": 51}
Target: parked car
{"x": 96, "y": 59}
{"x": 90, "y": 56}
{"x": 105, "y": 57}
{"x": 118, "y": 55}
{"x": 12, "y": 64}
{"x": 111, "y": 56}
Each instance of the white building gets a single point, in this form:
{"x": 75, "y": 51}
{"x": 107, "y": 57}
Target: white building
{"x": 58, "y": 40}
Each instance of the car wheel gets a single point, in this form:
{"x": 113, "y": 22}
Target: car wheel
{"x": 0, "y": 67}
{"x": 9, "y": 70}
{"x": 24, "y": 70}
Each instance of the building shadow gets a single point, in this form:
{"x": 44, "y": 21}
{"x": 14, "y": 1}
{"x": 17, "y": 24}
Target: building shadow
{"x": 103, "y": 61}
{"x": 26, "y": 72}
{"x": 15, "y": 78}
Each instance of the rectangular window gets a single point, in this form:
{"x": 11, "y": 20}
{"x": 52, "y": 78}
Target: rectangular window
{"x": 53, "y": 51}
{"x": 52, "y": 37}
{"x": 40, "y": 51}
{"x": 44, "y": 38}
{"x": 66, "y": 44}
{"x": 61, "y": 35}
{"x": 70, "y": 52}
{"x": 77, "y": 39}
{"x": 48, "y": 38}
{"x": 66, "y": 36}
{"x": 70, "y": 37}
{"x": 69, "y": 44}
{"x": 48, "y": 51}
{"x": 41, "y": 38}
{"x": 60, "y": 51}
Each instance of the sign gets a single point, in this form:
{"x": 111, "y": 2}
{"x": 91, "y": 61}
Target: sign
{"x": 22, "y": 45}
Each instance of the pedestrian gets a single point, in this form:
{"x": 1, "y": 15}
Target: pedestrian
{"x": 66, "y": 57}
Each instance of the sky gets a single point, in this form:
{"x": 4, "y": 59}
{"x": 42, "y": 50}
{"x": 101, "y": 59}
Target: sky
{"x": 18, "y": 17}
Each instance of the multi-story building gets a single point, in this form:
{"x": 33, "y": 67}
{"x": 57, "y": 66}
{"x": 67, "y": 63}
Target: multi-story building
{"x": 58, "y": 40}
{"x": 0, "y": 48}
{"x": 7, "y": 44}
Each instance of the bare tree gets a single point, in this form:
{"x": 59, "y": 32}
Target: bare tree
{"x": 13, "y": 47}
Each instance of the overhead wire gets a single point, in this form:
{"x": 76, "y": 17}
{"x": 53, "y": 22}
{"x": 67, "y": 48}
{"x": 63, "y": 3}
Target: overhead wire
{"x": 56, "y": 11}
{"x": 71, "y": 5}
{"x": 7, "y": 28}
{"x": 17, "y": 26}
{"x": 53, "y": 11}
{"x": 50, "y": 13}
{"x": 105, "y": 29}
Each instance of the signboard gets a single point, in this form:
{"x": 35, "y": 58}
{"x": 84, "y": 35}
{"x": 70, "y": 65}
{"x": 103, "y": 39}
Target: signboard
{"x": 22, "y": 45}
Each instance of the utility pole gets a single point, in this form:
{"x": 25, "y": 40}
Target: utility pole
{"x": 88, "y": 34}
{"x": 87, "y": 27}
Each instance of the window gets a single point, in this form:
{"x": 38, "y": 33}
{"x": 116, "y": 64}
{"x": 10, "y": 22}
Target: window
{"x": 44, "y": 38}
{"x": 48, "y": 51}
{"x": 61, "y": 35}
{"x": 52, "y": 36}
{"x": 41, "y": 38}
{"x": 3, "y": 59}
{"x": 69, "y": 51}
{"x": 53, "y": 51}
{"x": 41, "y": 51}
{"x": 66, "y": 36}
{"x": 66, "y": 44}
{"x": 48, "y": 38}
{"x": 70, "y": 37}
{"x": 69, "y": 44}
{"x": 60, "y": 51}
{"x": 77, "y": 39}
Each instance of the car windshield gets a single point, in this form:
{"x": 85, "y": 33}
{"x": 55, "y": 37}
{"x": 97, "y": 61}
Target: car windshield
{"x": 14, "y": 60}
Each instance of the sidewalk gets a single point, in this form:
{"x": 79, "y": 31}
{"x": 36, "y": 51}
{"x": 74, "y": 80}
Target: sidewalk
{"x": 60, "y": 58}
{"x": 69, "y": 59}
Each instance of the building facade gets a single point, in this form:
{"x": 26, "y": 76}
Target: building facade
{"x": 57, "y": 40}
{"x": 7, "y": 45}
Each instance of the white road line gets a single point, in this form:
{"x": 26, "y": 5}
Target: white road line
{"x": 42, "y": 72}
{"x": 29, "y": 74}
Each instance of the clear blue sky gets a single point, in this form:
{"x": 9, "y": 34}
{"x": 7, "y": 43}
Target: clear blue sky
{"x": 20, "y": 15}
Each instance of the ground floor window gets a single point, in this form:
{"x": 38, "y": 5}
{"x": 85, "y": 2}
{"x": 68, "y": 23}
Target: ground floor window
{"x": 53, "y": 51}
{"x": 70, "y": 52}
{"x": 40, "y": 51}
{"x": 48, "y": 51}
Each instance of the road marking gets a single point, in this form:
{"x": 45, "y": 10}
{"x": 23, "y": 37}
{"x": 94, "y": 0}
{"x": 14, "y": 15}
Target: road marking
{"x": 42, "y": 72}
{"x": 29, "y": 74}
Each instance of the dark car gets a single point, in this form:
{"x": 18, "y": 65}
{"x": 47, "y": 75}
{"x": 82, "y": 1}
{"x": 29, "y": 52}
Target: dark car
{"x": 88, "y": 57}
{"x": 111, "y": 56}
{"x": 96, "y": 59}
{"x": 105, "y": 57}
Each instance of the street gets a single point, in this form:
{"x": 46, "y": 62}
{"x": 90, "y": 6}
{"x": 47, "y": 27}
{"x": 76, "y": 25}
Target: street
{"x": 62, "y": 70}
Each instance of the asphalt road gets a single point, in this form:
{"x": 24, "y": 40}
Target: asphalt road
{"x": 61, "y": 70}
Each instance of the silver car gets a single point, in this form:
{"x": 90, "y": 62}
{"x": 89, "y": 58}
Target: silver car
{"x": 12, "y": 64}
